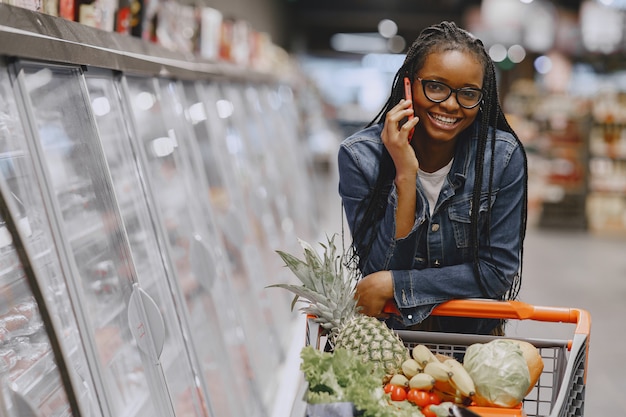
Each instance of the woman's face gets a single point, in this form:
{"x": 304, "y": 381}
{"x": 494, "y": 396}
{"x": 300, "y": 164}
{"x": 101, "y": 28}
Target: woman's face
{"x": 442, "y": 122}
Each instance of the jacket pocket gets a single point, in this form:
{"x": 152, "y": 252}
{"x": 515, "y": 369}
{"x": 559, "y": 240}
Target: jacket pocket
{"x": 459, "y": 213}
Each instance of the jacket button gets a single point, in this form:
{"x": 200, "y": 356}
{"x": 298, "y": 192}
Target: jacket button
{"x": 434, "y": 227}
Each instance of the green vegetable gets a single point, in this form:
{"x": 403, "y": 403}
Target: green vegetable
{"x": 499, "y": 371}
{"x": 341, "y": 376}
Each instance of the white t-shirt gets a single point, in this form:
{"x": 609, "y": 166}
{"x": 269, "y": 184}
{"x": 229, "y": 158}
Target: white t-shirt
{"x": 432, "y": 183}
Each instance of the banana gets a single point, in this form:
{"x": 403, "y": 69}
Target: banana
{"x": 438, "y": 370}
{"x": 460, "y": 379}
{"x": 445, "y": 390}
{"x": 422, "y": 355}
{"x": 410, "y": 367}
{"x": 422, "y": 381}
{"x": 399, "y": 380}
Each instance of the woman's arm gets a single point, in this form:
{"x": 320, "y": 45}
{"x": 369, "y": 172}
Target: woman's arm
{"x": 396, "y": 141}
{"x": 416, "y": 292}
{"x": 359, "y": 164}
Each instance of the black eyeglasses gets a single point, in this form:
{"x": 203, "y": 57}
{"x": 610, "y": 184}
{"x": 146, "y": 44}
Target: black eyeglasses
{"x": 437, "y": 92}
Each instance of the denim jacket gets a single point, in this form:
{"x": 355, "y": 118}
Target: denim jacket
{"x": 433, "y": 263}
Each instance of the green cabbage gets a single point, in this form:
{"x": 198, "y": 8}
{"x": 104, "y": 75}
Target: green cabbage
{"x": 499, "y": 371}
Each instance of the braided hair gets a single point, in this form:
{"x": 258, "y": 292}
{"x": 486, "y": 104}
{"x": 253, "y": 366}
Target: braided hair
{"x": 442, "y": 37}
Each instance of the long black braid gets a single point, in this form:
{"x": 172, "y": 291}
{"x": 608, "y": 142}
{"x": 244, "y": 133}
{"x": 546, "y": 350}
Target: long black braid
{"x": 439, "y": 38}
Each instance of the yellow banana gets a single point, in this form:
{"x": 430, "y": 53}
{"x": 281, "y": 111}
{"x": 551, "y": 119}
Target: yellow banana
{"x": 399, "y": 380}
{"x": 438, "y": 370}
{"x": 410, "y": 367}
{"x": 422, "y": 355}
{"x": 422, "y": 381}
{"x": 460, "y": 379}
{"x": 445, "y": 390}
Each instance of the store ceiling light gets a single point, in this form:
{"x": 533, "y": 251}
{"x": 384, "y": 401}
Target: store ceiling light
{"x": 602, "y": 27}
{"x": 144, "y": 100}
{"x": 516, "y": 53}
{"x": 358, "y": 42}
{"x": 543, "y": 64}
{"x": 396, "y": 44}
{"x": 387, "y": 28}
{"x": 101, "y": 106}
{"x": 497, "y": 52}
{"x": 197, "y": 113}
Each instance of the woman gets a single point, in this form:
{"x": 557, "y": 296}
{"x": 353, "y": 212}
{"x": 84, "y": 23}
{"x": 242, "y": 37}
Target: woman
{"x": 409, "y": 203}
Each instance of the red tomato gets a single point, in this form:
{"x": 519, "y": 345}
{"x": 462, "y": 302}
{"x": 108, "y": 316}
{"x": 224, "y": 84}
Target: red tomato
{"x": 387, "y": 388}
{"x": 435, "y": 398}
{"x": 418, "y": 397}
{"x": 428, "y": 412}
{"x": 412, "y": 395}
{"x": 398, "y": 393}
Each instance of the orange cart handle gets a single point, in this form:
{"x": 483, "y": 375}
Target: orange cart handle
{"x": 493, "y": 309}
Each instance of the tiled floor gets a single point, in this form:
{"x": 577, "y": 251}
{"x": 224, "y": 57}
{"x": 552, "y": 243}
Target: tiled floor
{"x": 562, "y": 269}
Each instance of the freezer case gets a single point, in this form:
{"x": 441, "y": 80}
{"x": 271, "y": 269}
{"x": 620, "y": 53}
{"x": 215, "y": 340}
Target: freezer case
{"x": 43, "y": 365}
{"x": 215, "y": 292}
{"x": 256, "y": 195}
{"x": 156, "y": 268}
{"x": 121, "y": 327}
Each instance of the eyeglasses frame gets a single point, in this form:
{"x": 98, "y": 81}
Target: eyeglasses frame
{"x": 452, "y": 90}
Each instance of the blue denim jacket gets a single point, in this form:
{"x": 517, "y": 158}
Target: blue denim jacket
{"x": 433, "y": 263}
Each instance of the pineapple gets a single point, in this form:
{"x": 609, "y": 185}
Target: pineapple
{"x": 329, "y": 295}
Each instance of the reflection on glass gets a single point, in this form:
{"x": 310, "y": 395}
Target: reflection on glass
{"x": 145, "y": 249}
{"x": 239, "y": 215}
{"x": 81, "y": 194}
{"x": 219, "y": 337}
{"x": 259, "y": 196}
{"x": 28, "y": 373}
{"x": 277, "y": 114}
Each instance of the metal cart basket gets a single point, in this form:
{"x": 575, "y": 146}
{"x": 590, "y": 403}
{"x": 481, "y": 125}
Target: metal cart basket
{"x": 560, "y": 390}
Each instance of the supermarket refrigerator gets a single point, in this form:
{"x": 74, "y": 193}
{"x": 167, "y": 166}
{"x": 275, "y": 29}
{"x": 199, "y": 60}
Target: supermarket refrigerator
{"x": 241, "y": 192}
{"x": 44, "y": 369}
{"x": 217, "y": 286}
{"x": 143, "y": 197}
{"x": 118, "y": 327}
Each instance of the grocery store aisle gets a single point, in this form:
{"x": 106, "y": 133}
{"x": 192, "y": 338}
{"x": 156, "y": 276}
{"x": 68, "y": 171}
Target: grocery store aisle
{"x": 562, "y": 269}
{"x": 582, "y": 270}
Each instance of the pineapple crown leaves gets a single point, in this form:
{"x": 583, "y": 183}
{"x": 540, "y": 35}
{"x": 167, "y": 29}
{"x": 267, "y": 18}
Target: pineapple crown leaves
{"x": 326, "y": 288}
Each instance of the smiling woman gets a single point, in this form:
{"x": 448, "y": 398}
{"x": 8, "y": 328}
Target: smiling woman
{"x": 417, "y": 239}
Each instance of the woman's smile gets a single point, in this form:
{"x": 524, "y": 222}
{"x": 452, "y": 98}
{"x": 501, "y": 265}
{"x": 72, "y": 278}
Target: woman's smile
{"x": 444, "y": 122}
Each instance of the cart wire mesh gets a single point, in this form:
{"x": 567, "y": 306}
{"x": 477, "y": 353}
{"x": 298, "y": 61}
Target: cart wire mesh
{"x": 559, "y": 363}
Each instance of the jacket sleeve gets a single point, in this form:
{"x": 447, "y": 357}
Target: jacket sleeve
{"x": 355, "y": 183}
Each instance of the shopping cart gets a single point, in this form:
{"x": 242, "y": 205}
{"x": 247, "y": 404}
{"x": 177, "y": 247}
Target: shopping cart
{"x": 560, "y": 390}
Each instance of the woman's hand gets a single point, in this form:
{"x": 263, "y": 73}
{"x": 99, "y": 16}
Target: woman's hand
{"x": 396, "y": 138}
{"x": 373, "y": 292}
{"x": 404, "y": 159}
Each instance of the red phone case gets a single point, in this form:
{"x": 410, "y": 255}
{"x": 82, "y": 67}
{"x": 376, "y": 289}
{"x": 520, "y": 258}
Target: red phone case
{"x": 408, "y": 96}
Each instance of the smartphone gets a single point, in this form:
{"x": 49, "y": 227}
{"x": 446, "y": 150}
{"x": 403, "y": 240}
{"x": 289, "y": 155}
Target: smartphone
{"x": 409, "y": 96}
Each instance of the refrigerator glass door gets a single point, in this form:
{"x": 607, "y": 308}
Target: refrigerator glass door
{"x": 29, "y": 376}
{"x": 113, "y": 315}
{"x": 275, "y": 112}
{"x": 240, "y": 139}
{"x": 219, "y": 335}
{"x": 239, "y": 219}
{"x": 146, "y": 249}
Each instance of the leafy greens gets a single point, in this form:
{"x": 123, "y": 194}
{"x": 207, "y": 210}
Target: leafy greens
{"x": 341, "y": 376}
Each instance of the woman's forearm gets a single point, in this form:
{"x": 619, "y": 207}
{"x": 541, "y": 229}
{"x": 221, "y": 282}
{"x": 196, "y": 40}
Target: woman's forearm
{"x": 405, "y": 212}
